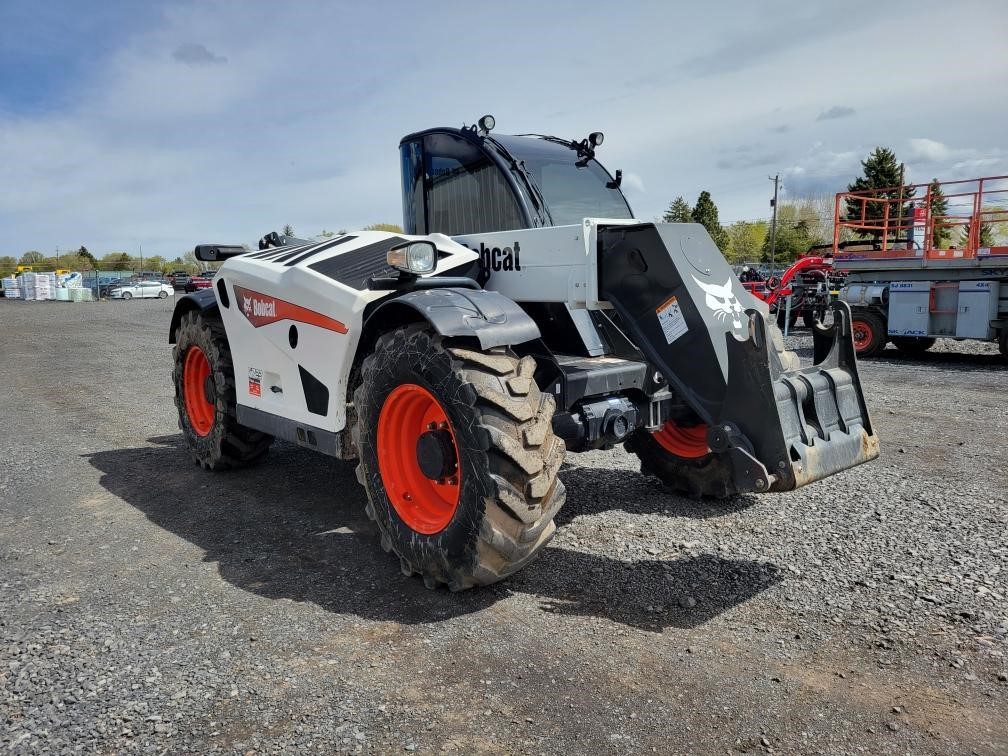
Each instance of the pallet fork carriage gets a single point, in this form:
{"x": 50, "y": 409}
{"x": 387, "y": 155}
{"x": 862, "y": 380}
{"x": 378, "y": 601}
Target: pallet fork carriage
{"x": 524, "y": 313}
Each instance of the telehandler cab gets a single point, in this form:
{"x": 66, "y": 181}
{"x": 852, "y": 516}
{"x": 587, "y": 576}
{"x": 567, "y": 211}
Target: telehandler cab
{"x": 524, "y": 313}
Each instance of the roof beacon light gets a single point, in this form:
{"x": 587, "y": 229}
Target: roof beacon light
{"x": 486, "y": 124}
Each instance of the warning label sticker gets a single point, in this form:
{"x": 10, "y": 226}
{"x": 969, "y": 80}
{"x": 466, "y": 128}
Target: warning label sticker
{"x": 670, "y": 316}
{"x": 255, "y": 382}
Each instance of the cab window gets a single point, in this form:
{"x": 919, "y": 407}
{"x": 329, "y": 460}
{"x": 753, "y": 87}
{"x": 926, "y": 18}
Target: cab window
{"x": 466, "y": 191}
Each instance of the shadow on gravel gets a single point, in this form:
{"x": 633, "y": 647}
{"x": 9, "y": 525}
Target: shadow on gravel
{"x": 591, "y": 490}
{"x": 959, "y": 360}
{"x": 294, "y": 528}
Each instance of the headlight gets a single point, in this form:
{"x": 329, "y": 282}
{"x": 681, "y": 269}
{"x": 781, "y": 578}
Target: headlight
{"x": 413, "y": 257}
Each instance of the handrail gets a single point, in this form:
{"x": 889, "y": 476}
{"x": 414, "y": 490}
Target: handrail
{"x": 909, "y": 229}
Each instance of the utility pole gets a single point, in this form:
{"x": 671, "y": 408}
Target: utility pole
{"x": 141, "y": 260}
{"x": 899, "y": 209}
{"x": 57, "y": 258}
{"x": 773, "y": 223}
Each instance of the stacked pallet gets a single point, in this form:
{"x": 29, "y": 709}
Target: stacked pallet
{"x": 44, "y": 285}
{"x": 26, "y": 282}
{"x": 11, "y": 290}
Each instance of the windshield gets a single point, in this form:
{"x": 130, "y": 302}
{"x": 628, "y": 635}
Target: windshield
{"x": 571, "y": 193}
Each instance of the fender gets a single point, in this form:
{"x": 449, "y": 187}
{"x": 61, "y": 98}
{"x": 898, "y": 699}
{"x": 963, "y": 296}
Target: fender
{"x": 203, "y": 300}
{"x": 490, "y": 317}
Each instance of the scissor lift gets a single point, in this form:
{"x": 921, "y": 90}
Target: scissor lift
{"x": 904, "y": 288}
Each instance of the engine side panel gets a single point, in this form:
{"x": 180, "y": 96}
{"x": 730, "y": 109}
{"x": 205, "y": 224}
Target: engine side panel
{"x": 288, "y": 317}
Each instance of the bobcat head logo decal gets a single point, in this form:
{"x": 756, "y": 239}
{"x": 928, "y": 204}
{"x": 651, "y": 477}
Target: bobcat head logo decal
{"x": 723, "y": 303}
{"x": 247, "y": 305}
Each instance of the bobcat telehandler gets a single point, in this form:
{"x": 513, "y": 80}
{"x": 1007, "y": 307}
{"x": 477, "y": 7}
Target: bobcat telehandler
{"x": 524, "y": 313}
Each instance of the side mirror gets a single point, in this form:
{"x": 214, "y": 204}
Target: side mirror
{"x": 417, "y": 257}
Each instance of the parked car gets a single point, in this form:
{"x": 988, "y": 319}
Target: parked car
{"x": 105, "y": 286}
{"x": 143, "y": 289}
{"x": 178, "y": 278}
{"x": 199, "y": 282}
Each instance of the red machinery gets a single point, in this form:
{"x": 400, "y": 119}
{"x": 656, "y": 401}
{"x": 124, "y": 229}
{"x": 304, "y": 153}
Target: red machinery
{"x": 810, "y": 293}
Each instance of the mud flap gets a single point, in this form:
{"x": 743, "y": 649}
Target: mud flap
{"x": 781, "y": 426}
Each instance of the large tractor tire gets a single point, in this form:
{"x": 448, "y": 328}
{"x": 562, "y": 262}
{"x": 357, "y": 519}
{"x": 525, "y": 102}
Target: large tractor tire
{"x": 870, "y": 335}
{"x": 458, "y": 457}
{"x": 678, "y": 456}
{"x": 205, "y": 397}
{"x": 913, "y": 345}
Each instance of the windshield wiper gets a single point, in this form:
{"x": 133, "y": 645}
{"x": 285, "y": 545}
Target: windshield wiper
{"x": 584, "y": 150}
{"x": 518, "y": 166}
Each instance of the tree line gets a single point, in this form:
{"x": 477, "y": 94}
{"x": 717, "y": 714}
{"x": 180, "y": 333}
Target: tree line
{"x": 83, "y": 260}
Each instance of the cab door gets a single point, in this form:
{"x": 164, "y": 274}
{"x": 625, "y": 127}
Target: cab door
{"x": 452, "y": 186}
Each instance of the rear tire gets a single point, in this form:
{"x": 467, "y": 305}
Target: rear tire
{"x": 162, "y": 294}
{"x": 506, "y": 458}
{"x": 705, "y": 475}
{"x": 127, "y": 295}
{"x": 205, "y": 397}
{"x": 913, "y": 345}
{"x": 869, "y": 332}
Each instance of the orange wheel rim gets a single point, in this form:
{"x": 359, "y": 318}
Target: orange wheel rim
{"x": 862, "y": 334}
{"x": 424, "y": 491}
{"x": 689, "y": 442}
{"x": 197, "y": 384}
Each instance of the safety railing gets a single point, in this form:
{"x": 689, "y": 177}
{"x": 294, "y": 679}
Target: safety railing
{"x": 903, "y": 221}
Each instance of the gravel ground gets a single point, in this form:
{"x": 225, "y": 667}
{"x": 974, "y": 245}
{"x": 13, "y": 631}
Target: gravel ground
{"x": 147, "y": 606}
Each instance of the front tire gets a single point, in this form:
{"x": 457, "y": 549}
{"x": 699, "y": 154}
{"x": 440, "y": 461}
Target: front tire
{"x": 205, "y": 397}
{"x": 162, "y": 294}
{"x": 127, "y": 295}
{"x": 678, "y": 456}
{"x": 458, "y": 458}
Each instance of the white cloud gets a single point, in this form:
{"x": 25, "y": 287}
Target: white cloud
{"x": 633, "y": 182}
{"x": 302, "y": 124}
{"x": 928, "y": 150}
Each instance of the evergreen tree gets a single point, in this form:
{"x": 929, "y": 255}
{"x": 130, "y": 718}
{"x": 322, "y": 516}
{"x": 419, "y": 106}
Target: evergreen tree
{"x": 678, "y": 212}
{"x": 705, "y": 213}
{"x": 881, "y": 171}
{"x": 941, "y": 234}
{"x": 986, "y": 236}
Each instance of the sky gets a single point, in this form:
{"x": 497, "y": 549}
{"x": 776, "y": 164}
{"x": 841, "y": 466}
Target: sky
{"x": 165, "y": 124}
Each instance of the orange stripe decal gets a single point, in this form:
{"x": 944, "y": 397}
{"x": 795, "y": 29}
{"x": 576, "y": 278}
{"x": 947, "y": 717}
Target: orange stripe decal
{"x": 262, "y": 309}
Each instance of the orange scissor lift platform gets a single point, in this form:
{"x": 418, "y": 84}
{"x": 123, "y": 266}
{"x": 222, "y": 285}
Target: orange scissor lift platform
{"x": 902, "y": 233}
{"x": 915, "y": 272}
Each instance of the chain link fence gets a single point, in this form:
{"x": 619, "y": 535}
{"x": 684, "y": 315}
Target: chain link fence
{"x": 103, "y": 282}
